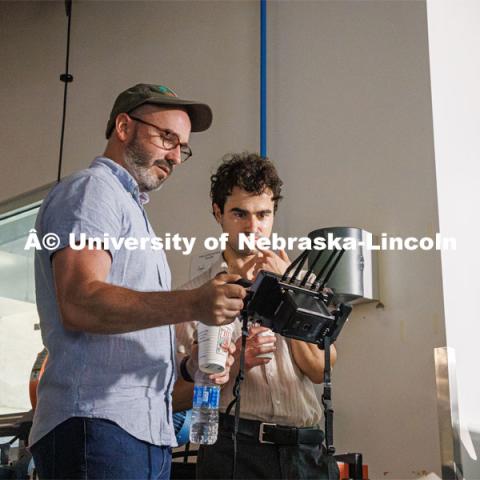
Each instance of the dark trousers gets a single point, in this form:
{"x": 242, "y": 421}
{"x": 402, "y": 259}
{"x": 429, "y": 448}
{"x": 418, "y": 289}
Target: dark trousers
{"x": 91, "y": 448}
{"x": 262, "y": 460}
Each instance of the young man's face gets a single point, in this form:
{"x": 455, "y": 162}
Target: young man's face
{"x": 246, "y": 213}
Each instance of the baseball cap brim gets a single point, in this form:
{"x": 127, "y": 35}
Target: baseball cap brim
{"x": 200, "y": 113}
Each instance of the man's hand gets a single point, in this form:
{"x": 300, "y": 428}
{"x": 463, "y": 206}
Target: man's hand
{"x": 218, "y": 378}
{"x": 256, "y": 345}
{"x": 219, "y": 302}
{"x": 223, "y": 377}
{"x": 271, "y": 261}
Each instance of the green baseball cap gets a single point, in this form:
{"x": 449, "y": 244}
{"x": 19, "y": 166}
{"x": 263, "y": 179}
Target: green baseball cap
{"x": 200, "y": 113}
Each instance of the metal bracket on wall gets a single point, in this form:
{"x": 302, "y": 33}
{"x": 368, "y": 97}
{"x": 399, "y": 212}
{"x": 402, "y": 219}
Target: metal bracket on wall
{"x": 448, "y": 417}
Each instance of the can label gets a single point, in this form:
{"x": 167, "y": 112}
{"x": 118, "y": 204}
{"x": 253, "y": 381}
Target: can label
{"x": 213, "y": 345}
{"x": 223, "y": 340}
{"x": 206, "y": 396}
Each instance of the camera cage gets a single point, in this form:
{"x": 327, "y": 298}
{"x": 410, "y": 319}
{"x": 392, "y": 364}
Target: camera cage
{"x": 297, "y": 308}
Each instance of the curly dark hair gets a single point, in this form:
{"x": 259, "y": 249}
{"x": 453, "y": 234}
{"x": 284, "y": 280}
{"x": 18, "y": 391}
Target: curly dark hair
{"x": 248, "y": 171}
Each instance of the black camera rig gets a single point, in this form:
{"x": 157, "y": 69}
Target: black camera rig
{"x": 297, "y": 308}
{"x": 295, "y": 305}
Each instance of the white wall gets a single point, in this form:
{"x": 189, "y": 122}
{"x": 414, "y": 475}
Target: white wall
{"x": 454, "y": 39}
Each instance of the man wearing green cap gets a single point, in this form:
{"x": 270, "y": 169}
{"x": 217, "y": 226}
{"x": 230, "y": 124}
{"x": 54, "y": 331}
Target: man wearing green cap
{"x": 104, "y": 401}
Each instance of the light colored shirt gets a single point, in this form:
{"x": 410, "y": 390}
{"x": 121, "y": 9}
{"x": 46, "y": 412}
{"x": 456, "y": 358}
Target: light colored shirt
{"x": 277, "y": 392}
{"x": 126, "y": 378}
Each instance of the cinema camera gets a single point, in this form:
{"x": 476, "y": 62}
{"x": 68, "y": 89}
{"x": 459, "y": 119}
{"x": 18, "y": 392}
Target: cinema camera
{"x": 297, "y": 308}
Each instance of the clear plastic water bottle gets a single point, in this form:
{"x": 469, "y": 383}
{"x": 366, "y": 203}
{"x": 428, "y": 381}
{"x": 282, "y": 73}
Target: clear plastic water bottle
{"x": 206, "y": 398}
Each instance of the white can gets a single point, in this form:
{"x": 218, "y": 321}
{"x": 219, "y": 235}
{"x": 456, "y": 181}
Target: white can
{"x": 213, "y": 343}
{"x": 263, "y": 334}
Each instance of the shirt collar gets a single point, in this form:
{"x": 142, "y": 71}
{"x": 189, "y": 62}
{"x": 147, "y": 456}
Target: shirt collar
{"x": 124, "y": 177}
{"x": 219, "y": 265}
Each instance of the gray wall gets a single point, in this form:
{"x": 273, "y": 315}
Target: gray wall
{"x": 349, "y": 127}
{"x": 203, "y": 50}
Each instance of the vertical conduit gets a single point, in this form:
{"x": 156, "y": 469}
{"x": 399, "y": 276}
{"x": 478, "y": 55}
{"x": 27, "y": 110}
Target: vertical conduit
{"x": 263, "y": 78}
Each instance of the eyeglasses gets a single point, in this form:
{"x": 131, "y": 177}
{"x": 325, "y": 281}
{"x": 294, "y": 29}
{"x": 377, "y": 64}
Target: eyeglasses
{"x": 169, "y": 140}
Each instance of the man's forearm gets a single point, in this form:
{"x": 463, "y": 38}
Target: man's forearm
{"x": 310, "y": 359}
{"x": 109, "y": 309}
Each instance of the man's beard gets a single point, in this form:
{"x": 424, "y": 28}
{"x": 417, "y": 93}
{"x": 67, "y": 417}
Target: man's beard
{"x": 139, "y": 164}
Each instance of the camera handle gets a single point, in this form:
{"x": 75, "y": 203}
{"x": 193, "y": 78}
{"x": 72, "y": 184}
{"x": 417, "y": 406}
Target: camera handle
{"x": 327, "y": 397}
{"x": 236, "y": 391}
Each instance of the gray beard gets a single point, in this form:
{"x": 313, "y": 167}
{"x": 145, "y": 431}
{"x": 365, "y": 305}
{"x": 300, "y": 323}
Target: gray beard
{"x": 136, "y": 160}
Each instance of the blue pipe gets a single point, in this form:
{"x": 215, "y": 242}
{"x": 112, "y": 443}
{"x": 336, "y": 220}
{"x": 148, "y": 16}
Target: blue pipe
{"x": 263, "y": 78}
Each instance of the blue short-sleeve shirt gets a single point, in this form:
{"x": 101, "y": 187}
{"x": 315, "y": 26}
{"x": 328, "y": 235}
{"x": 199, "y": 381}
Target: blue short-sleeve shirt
{"x": 126, "y": 378}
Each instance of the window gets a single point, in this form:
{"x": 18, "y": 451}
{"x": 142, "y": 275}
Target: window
{"x": 20, "y": 339}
